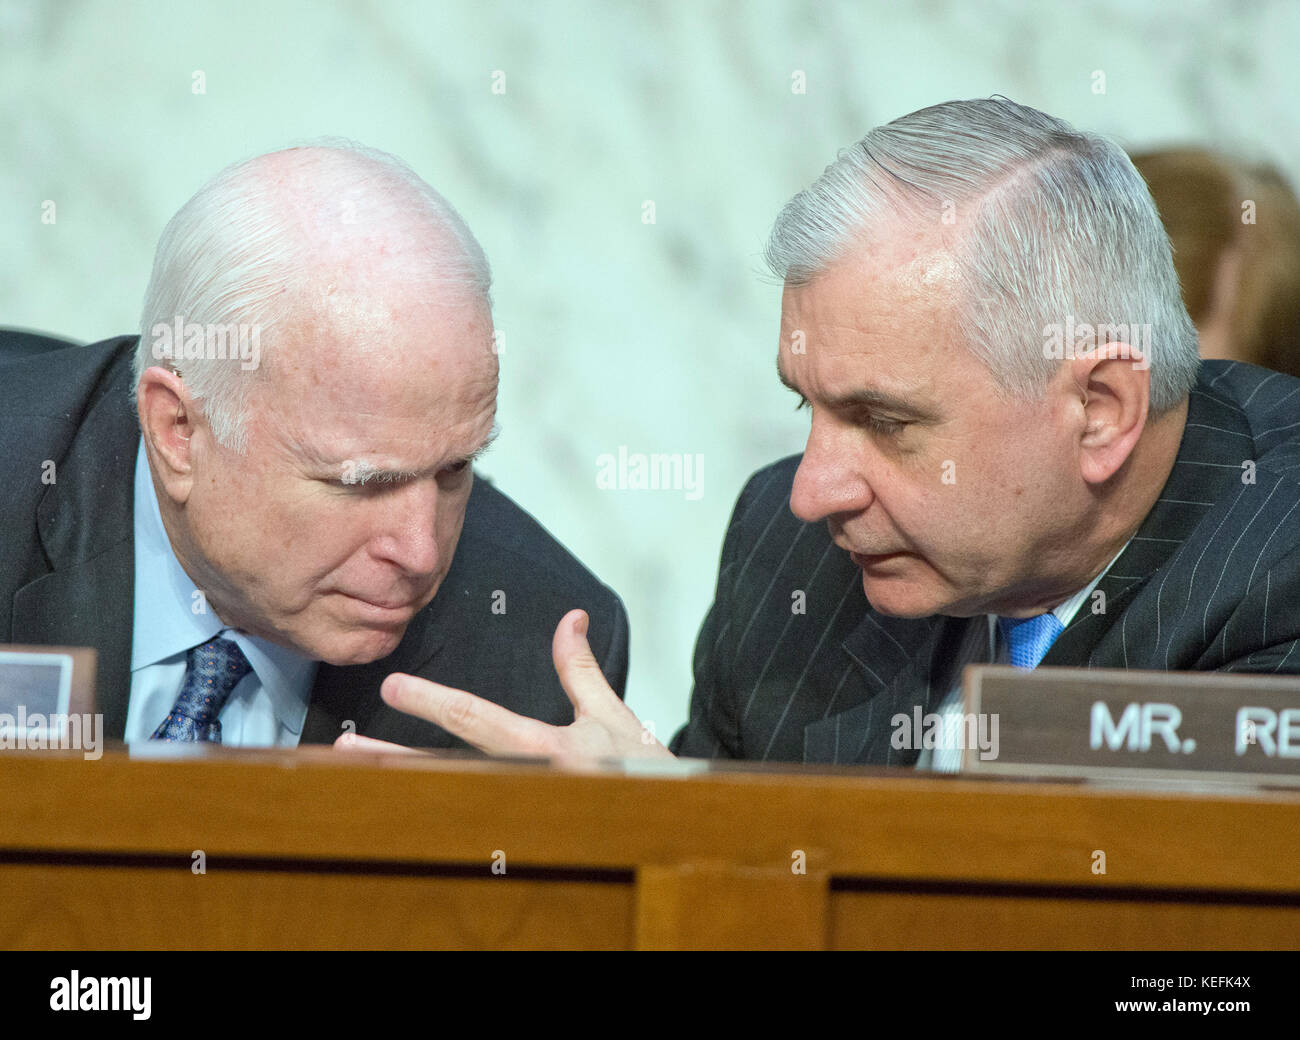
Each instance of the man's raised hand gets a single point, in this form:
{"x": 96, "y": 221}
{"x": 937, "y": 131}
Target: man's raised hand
{"x": 603, "y": 726}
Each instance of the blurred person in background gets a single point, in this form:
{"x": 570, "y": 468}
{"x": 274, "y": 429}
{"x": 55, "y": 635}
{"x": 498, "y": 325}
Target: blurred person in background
{"x": 1235, "y": 230}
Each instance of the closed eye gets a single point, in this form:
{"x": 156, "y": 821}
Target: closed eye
{"x": 372, "y": 483}
{"x": 884, "y": 427}
{"x": 877, "y": 425}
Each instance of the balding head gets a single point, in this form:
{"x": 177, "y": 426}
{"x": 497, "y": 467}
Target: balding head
{"x": 291, "y": 236}
{"x": 317, "y": 497}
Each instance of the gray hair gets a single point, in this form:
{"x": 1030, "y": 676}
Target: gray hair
{"x": 1055, "y": 228}
{"x": 235, "y": 256}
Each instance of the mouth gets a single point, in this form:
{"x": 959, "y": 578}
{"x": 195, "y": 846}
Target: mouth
{"x": 383, "y": 610}
{"x": 865, "y": 560}
{"x": 862, "y": 559}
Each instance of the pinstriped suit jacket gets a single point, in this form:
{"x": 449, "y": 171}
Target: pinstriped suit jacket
{"x": 1211, "y": 581}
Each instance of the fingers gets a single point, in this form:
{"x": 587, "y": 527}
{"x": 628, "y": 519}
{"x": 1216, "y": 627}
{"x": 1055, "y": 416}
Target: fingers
{"x": 487, "y": 726}
{"x": 356, "y": 742}
{"x": 577, "y": 667}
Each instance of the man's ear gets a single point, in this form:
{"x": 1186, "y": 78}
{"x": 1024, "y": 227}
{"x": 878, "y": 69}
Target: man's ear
{"x": 167, "y": 422}
{"x": 1114, "y": 382}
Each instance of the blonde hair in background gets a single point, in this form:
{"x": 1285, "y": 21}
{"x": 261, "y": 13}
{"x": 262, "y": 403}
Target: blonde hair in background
{"x": 1235, "y": 230}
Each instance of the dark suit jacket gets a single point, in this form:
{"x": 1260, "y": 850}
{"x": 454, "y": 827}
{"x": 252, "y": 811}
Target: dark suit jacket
{"x": 67, "y": 566}
{"x": 1211, "y": 581}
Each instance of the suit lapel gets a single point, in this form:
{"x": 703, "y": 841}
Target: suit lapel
{"x": 902, "y": 664}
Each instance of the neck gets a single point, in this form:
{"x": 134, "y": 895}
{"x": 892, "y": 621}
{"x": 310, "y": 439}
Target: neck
{"x": 1119, "y": 508}
{"x": 1142, "y": 478}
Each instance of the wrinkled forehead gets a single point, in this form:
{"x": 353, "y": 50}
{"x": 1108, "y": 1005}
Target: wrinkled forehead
{"x": 895, "y": 256}
{"x": 891, "y": 291}
{"x": 878, "y": 329}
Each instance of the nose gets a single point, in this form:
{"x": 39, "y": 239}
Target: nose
{"x": 408, "y": 534}
{"x": 830, "y": 478}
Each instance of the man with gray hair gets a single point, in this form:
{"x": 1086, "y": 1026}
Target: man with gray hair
{"x": 1015, "y": 455}
{"x": 265, "y": 503}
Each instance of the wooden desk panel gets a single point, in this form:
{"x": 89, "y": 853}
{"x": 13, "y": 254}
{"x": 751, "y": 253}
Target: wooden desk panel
{"x": 156, "y": 908}
{"x": 311, "y": 849}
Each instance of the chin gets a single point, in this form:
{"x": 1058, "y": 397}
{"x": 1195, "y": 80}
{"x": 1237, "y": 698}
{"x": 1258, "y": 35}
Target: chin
{"x": 357, "y": 647}
{"x": 900, "y": 598}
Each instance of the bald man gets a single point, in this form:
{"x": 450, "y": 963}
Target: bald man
{"x": 289, "y": 512}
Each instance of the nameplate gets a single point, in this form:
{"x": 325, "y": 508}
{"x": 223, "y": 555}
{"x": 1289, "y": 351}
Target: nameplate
{"x": 47, "y": 697}
{"x": 1093, "y": 722}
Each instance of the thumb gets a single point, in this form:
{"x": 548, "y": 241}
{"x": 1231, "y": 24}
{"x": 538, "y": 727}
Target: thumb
{"x": 577, "y": 667}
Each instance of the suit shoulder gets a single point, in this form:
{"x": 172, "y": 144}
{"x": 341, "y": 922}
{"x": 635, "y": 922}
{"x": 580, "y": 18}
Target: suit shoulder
{"x": 766, "y": 493}
{"x": 1269, "y": 401}
{"x": 495, "y": 525}
{"x": 64, "y": 384}
{"x": 765, "y": 539}
{"x": 46, "y": 399}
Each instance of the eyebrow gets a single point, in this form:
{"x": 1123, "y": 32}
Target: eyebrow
{"x": 365, "y": 473}
{"x": 863, "y": 397}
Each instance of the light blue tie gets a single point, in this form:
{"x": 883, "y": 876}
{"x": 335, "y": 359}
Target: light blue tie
{"x": 213, "y": 669}
{"x": 1030, "y": 638}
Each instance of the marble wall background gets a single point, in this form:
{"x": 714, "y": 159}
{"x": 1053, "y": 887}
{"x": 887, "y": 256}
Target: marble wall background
{"x": 660, "y": 337}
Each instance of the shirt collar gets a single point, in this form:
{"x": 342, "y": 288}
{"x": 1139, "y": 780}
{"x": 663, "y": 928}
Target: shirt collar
{"x": 1065, "y": 611}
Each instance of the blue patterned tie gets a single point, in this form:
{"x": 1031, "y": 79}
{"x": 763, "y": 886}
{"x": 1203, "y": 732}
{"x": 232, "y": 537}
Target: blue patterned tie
{"x": 1029, "y": 638}
{"x": 212, "y": 670}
